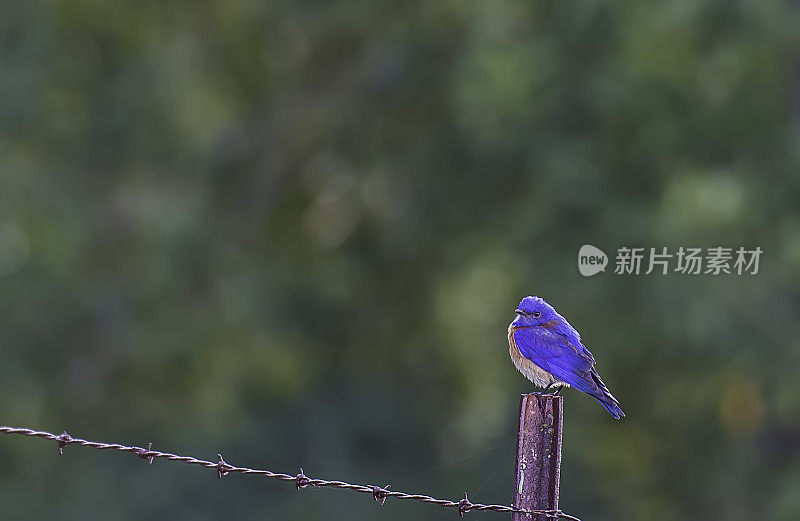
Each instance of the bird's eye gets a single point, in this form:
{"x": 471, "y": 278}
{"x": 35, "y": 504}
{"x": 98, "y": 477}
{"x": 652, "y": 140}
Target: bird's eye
{"x": 536, "y": 314}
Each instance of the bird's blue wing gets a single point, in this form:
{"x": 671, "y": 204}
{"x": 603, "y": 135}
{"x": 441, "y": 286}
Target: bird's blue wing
{"x": 557, "y": 355}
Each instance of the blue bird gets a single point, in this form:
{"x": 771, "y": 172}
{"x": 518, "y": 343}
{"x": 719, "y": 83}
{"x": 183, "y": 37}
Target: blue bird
{"x": 548, "y": 351}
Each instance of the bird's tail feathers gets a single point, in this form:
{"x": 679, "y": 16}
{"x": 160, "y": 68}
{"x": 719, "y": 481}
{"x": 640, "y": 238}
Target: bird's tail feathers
{"x": 611, "y": 405}
{"x": 606, "y": 399}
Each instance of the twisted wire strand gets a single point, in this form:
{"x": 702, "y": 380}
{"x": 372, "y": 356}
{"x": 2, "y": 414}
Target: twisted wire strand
{"x": 380, "y": 494}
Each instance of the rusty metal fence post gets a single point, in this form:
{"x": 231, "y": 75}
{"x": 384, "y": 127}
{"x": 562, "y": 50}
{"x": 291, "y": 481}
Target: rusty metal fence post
{"x": 538, "y": 455}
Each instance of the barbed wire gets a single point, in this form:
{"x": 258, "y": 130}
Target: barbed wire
{"x": 380, "y": 494}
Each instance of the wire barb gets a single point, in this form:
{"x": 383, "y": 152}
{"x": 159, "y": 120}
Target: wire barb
{"x": 223, "y": 468}
{"x": 301, "y": 480}
{"x": 145, "y": 454}
{"x": 379, "y": 493}
{"x": 464, "y": 506}
{"x": 63, "y": 440}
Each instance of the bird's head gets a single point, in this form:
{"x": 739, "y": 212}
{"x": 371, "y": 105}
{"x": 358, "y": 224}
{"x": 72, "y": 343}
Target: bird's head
{"x": 534, "y": 311}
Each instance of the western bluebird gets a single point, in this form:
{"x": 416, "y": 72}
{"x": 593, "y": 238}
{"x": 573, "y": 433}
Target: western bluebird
{"x": 548, "y": 351}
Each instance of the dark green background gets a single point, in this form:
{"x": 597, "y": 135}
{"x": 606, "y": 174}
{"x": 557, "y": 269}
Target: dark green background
{"x": 295, "y": 233}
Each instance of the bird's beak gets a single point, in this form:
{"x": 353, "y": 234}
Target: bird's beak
{"x": 519, "y": 312}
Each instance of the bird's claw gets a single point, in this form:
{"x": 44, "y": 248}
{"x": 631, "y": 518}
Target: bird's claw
{"x": 549, "y": 391}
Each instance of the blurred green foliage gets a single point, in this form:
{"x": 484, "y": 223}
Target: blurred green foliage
{"x": 295, "y": 233}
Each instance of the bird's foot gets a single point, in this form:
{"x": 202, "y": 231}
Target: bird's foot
{"x": 550, "y": 390}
